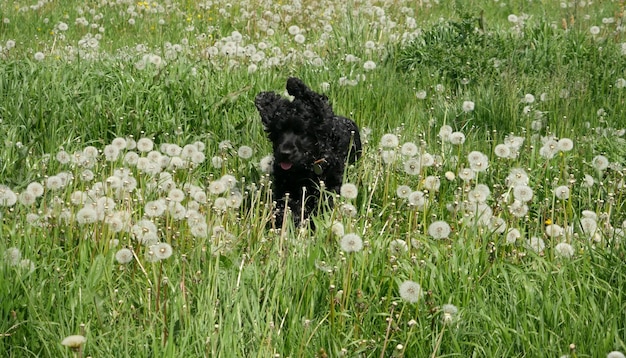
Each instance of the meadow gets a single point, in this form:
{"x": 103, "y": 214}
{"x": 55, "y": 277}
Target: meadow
{"x": 486, "y": 218}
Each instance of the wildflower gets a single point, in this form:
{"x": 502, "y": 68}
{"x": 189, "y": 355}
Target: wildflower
{"x": 74, "y": 342}
{"x": 294, "y": 29}
{"x": 512, "y": 18}
{"x": 87, "y": 215}
{"x": 427, "y": 160}
{"x": 502, "y": 151}
{"x": 217, "y": 162}
{"x": 412, "y": 166}
{"x": 409, "y": 149}
{"x": 131, "y": 158}
{"x": 512, "y": 235}
{"x": 528, "y": 98}
{"x": 417, "y": 199}
{"x": 432, "y": 183}
{"x": 35, "y": 189}
{"x": 457, "y": 138}
{"x": 7, "y": 196}
{"x": 351, "y": 243}
{"x": 468, "y": 106}
{"x": 589, "y": 214}
{"x": 54, "y": 182}
{"x": 450, "y": 175}
{"x": 588, "y": 181}
{"x": 449, "y": 312}
{"x": 244, "y": 152}
{"x": 565, "y": 144}
{"x": 444, "y": 132}
{"x": 145, "y": 145}
{"x": 349, "y": 191}
{"x": 217, "y": 187}
{"x": 615, "y": 354}
{"x": 421, "y": 94}
{"x": 124, "y": 256}
{"x": 403, "y": 191}
{"x": 600, "y": 162}
{"x": 564, "y": 249}
{"x": 12, "y": 256}
{"x": 234, "y": 200}
{"x": 369, "y": 65}
{"x": 517, "y": 176}
{"x": 266, "y": 163}
{"x": 588, "y": 225}
{"x": 388, "y": 156}
{"x": 594, "y": 30}
{"x": 439, "y": 230}
{"x": 176, "y": 195}
{"x": 523, "y": 193}
{"x": 155, "y": 208}
{"x": 620, "y": 83}
{"x": 497, "y": 225}
{"x": 337, "y": 229}
{"x": 410, "y": 291}
{"x": 467, "y": 174}
{"x": 536, "y": 244}
{"x": 549, "y": 149}
{"x": 348, "y": 210}
{"x": 144, "y": 231}
{"x": 398, "y": 247}
{"x": 63, "y": 157}
{"x": 389, "y": 140}
{"x": 554, "y": 230}
{"x": 39, "y": 56}
{"x": 478, "y": 161}
{"x": 479, "y": 194}
{"x": 220, "y": 204}
{"x": 26, "y": 198}
{"x": 162, "y": 251}
{"x": 562, "y": 192}
{"x": 119, "y": 143}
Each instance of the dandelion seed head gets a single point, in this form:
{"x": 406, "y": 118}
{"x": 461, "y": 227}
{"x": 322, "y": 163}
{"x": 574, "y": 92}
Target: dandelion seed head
{"x": 124, "y": 256}
{"x": 389, "y": 140}
{"x": 74, "y": 341}
{"x": 410, "y": 291}
{"x": 439, "y": 229}
{"x": 398, "y": 247}
{"x": 536, "y": 244}
{"x": 565, "y": 250}
{"x": 162, "y": 250}
{"x": 349, "y": 191}
{"x": 351, "y": 243}
{"x": 412, "y": 166}
{"x": 409, "y": 149}
{"x": 562, "y": 192}
{"x": 457, "y": 138}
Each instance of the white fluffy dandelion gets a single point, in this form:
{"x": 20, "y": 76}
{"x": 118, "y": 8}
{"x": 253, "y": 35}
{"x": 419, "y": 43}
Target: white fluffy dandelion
{"x": 351, "y": 243}
{"x": 439, "y": 229}
{"x": 564, "y": 250}
{"x": 410, "y": 291}
{"x": 124, "y": 256}
{"x": 562, "y": 192}
{"x": 349, "y": 191}
{"x": 389, "y": 140}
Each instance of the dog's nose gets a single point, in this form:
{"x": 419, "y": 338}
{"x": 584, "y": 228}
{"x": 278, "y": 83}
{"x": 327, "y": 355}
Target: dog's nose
{"x": 287, "y": 149}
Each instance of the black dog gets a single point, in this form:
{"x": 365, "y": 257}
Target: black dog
{"x": 311, "y": 145}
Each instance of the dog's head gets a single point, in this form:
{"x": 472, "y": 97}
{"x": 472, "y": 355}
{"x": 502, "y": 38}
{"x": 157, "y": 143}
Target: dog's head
{"x": 292, "y": 125}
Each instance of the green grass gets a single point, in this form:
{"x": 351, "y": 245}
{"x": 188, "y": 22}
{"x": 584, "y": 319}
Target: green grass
{"x": 234, "y": 287}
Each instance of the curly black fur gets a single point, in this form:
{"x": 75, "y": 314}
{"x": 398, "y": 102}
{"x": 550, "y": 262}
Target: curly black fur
{"x": 311, "y": 145}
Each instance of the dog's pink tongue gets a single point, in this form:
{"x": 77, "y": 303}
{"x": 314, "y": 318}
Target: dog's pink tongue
{"x": 285, "y": 165}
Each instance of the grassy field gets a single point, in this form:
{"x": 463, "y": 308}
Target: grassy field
{"x": 487, "y": 216}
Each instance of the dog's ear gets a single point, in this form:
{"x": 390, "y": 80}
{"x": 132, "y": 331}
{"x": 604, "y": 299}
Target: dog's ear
{"x": 315, "y": 101}
{"x": 266, "y": 103}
